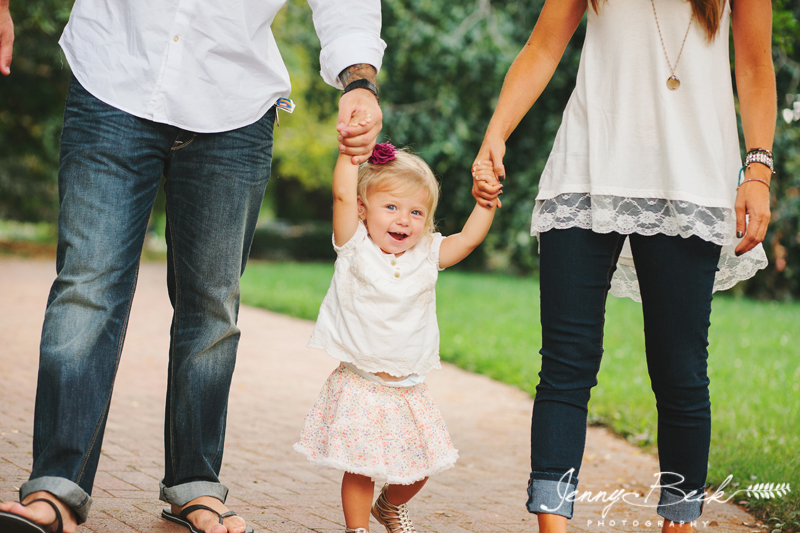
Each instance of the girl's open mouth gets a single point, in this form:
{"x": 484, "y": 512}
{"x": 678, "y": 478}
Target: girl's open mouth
{"x": 398, "y": 236}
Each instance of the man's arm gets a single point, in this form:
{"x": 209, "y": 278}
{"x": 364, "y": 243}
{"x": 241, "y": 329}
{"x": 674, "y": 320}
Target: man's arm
{"x": 361, "y": 71}
{"x": 6, "y": 38}
{"x": 350, "y": 34}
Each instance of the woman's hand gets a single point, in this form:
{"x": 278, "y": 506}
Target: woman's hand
{"x": 487, "y": 191}
{"x": 752, "y": 208}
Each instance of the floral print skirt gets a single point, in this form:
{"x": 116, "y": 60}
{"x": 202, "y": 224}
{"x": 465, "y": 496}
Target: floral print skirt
{"x": 390, "y": 434}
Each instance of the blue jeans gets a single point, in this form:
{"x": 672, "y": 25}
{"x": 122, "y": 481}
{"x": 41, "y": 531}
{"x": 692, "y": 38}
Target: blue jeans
{"x": 111, "y": 164}
{"x": 676, "y": 277}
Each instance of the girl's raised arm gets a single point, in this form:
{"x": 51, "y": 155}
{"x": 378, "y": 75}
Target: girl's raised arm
{"x": 458, "y": 246}
{"x": 345, "y": 200}
{"x": 345, "y": 193}
{"x": 526, "y": 79}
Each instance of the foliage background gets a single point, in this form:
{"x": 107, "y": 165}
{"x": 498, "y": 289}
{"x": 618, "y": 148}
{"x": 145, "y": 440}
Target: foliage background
{"x": 31, "y": 108}
{"x": 440, "y": 80}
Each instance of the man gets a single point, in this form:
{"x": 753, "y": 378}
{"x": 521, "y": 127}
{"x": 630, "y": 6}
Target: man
{"x": 185, "y": 89}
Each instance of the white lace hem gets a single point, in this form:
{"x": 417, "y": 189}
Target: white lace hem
{"x": 649, "y": 216}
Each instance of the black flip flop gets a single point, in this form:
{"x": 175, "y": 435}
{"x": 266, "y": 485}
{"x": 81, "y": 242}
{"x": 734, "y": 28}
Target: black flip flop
{"x": 12, "y": 523}
{"x": 182, "y": 519}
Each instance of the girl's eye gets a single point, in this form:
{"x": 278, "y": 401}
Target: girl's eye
{"x": 416, "y": 212}
{"x": 391, "y": 208}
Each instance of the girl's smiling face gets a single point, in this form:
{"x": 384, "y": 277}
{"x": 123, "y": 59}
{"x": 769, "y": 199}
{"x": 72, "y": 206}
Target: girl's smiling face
{"x": 395, "y": 223}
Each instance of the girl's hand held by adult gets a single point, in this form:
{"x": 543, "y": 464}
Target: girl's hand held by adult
{"x": 752, "y": 208}
{"x": 487, "y": 187}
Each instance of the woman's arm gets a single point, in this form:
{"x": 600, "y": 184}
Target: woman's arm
{"x": 526, "y": 79}
{"x": 755, "y": 83}
{"x": 458, "y": 246}
{"x": 345, "y": 193}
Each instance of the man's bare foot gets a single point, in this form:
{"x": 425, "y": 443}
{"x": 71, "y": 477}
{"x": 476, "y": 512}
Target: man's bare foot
{"x": 208, "y": 521}
{"x": 41, "y": 513}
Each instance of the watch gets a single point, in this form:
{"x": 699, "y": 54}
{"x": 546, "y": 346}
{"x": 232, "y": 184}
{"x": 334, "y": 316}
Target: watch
{"x": 362, "y": 84}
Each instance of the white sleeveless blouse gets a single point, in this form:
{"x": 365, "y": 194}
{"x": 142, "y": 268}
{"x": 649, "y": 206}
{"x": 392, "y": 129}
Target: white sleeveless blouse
{"x": 632, "y": 156}
{"x": 380, "y": 311}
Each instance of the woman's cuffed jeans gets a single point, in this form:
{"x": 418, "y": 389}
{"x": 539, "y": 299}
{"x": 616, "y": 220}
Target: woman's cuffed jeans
{"x": 676, "y": 278}
{"x": 111, "y": 164}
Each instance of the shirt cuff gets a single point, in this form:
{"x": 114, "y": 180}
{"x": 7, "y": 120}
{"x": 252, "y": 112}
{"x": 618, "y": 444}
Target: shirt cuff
{"x": 350, "y": 49}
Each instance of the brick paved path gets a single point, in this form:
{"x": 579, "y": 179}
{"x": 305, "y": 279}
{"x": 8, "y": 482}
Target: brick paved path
{"x": 276, "y": 381}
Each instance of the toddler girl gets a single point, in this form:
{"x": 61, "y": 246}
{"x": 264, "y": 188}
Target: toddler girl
{"x": 374, "y": 418}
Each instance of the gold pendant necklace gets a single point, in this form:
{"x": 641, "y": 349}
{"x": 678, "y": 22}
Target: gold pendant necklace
{"x": 672, "y": 82}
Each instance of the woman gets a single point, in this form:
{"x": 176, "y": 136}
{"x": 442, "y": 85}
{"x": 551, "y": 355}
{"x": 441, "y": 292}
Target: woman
{"x": 645, "y": 164}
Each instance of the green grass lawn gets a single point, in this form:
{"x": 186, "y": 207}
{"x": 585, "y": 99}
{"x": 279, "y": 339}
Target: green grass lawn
{"x": 490, "y": 324}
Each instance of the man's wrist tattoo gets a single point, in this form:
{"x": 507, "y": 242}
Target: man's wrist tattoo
{"x": 360, "y": 71}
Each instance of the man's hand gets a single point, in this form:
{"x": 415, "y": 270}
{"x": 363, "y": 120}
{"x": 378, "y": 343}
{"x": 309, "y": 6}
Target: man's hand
{"x": 6, "y": 38}
{"x": 357, "y": 139}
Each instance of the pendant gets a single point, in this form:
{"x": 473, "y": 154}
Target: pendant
{"x": 673, "y": 82}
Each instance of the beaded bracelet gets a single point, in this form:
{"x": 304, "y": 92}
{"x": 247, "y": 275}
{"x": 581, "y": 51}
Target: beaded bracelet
{"x": 760, "y": 155}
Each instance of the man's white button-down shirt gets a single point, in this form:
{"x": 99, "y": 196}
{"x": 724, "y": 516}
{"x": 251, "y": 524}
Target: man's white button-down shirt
{"x": 205, "y": 65}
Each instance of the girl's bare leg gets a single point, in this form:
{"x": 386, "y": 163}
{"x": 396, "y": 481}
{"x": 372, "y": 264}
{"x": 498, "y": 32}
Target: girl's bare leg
{"x": 357, "y": 494}
{"x": 388, "y": 510}
{"x": 552, "y": 523}
{"x": 400, "y": 494}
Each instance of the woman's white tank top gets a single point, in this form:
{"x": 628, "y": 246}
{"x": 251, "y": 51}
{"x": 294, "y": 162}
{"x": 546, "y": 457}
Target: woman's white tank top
{"x": 633, "y": 156}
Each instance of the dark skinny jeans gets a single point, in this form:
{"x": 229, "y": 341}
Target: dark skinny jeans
{"x": 676, "y": 277}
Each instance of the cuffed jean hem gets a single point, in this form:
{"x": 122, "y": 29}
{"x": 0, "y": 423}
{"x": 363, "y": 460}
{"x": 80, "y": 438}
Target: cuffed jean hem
{"x": 551, "y": 496}
{"x": 69, "y": 493}
{"x": 681, "y": 508}
{"x": 186, "y": 492}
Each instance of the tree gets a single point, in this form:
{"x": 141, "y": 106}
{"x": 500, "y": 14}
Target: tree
{"x": 32, "y": 108}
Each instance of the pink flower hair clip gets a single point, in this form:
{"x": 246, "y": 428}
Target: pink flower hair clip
{"x": 382, "y": 154}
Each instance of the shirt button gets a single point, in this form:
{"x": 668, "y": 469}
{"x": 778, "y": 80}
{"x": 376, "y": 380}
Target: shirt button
{"x": 175, "y": 38}
{"x": 397, "y": 274}
{"x": 394, "y": 262}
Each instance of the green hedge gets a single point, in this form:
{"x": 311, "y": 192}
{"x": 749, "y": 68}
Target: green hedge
{"x": 309, "y": 241}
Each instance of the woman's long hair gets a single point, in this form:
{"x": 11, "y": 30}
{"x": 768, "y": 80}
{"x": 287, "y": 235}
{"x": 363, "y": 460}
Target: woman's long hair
{"x": 707, "y": 12}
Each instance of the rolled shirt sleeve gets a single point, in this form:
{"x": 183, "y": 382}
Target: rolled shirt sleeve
{"x": 349, "y": 32}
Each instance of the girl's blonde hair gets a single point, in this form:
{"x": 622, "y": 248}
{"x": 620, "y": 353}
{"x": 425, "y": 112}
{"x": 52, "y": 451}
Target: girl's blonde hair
{"x": 406, "y": 175}
{"x": 707, "y": 12}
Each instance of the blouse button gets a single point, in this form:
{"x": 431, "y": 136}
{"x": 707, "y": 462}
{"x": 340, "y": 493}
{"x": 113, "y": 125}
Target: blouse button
{"x": 176, "y": 38}
{"x": 397, "y": 274}
{"x": 394, "y": 262}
